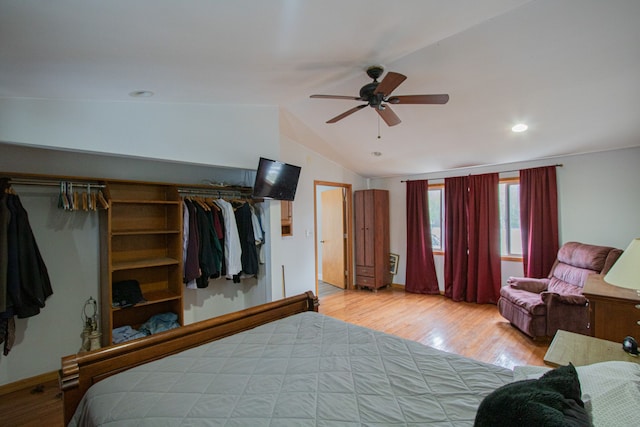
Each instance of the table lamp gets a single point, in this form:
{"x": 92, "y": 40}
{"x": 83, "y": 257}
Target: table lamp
{"x": 625, "y": 273}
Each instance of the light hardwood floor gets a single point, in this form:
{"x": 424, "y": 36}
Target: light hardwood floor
{"x": 473, "y": 330}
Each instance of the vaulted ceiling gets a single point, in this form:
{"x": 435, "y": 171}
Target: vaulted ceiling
{"x": 568, "y": 68}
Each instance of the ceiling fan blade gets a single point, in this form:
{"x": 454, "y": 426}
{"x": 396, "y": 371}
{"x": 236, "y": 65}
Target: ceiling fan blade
{"x": 346, "y": 113}
{"x": 419, "y": 99}
{"x": 388, "y": 116}
{"x": 389, "y": 83}
{"x": 353, "y": 98}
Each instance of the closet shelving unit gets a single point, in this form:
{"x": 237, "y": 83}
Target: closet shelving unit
{"x": 141, "y": 240}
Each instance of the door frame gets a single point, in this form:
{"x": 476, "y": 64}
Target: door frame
{"x": 348, "y": 212}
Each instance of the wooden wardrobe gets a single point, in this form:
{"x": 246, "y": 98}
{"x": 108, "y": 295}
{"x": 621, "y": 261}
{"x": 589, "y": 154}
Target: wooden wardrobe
{"x": 371, "y": 209}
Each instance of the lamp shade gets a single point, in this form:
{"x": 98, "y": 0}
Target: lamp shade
{"x": 625, "y": 273}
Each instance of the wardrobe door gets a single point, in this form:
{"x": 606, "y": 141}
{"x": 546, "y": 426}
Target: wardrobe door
{"x": 359, "y": 228}
{"x": 371, "y": 209}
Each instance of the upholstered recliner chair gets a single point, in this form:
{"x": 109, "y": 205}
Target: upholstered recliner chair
{"x": 539, "y": 307}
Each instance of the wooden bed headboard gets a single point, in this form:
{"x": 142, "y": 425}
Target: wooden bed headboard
{"x": 80, "y": 371}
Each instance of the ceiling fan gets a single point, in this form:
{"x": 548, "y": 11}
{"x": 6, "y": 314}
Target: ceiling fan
{"x": 377, "y": 96}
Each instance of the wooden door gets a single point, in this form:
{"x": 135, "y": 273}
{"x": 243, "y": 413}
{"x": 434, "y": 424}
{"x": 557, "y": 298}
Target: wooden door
{"x": 333, "y": 237}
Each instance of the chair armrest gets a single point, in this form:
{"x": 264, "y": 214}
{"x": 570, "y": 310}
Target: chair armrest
{"x": 527, "y": 284}
{"x": 571, "y": 299}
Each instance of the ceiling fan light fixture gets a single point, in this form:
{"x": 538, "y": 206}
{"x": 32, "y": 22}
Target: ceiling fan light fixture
{"x": 520, "y": 127}
{"x": 377, "y": 96}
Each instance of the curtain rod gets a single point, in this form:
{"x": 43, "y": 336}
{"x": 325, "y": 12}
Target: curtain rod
{"x": 558, "y": 165}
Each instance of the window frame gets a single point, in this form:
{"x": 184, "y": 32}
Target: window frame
{"x": 508, "y": 181}
{"x": 504, "y": 227}
{"x": 440, "y": 188}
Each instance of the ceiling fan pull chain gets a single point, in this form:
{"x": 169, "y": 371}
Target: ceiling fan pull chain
{"x": 378, "y": 126}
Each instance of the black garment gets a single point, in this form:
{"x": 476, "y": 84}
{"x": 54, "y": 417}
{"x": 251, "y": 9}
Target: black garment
{"x": 5, "y": 217}
{"x": 191, "y": 265}
{"x": 34, "y": 283}
{"x": 249, "y": 258}
{"x": 218, "y": 225}
{"x": 26, "y": 277}
{"x": 209, "y": 250}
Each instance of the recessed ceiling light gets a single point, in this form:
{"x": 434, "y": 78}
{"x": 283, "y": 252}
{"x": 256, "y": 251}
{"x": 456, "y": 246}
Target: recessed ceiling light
{"x": 520, "y": 127}
{"x": 376, "y": 153}
{"x": 141, "y": 93}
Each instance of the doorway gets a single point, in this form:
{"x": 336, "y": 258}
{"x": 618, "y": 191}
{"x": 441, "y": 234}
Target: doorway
{"x": 334, "y": 248}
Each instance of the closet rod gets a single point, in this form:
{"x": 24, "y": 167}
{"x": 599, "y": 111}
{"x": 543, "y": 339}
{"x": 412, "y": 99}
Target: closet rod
{"x": 213, "y": 192}
{"x": 26, "y": 181}
{"x": 558, "y": 165}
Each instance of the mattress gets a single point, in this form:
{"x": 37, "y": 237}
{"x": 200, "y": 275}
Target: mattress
{"x": 305, "y": 370}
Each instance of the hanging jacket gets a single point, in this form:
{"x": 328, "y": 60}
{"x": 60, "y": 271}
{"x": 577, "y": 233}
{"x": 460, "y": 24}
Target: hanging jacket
{"x": 34, "y": 283}
{"x": 249, "y": 256}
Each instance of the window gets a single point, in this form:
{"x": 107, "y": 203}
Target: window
{"x": 509, "y": 198}
{"x": 436, "y": 194}
{"x": 510, "y": 237}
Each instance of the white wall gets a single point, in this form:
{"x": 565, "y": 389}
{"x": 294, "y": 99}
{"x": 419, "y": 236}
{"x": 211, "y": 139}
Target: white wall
{"x": 598, "y": 202}
{"x": 216, "y": 135}
{"x": 297, "y": 253}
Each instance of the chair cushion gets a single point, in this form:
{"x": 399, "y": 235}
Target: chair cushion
{"x": 582, "y": 255}
{"x": 527, "y": 284}
{"x": 529, "y": 301}
{"x": 567, "y": 279}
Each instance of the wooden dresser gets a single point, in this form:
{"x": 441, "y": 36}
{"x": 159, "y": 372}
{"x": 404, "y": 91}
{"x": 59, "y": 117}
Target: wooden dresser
{"x": 371, "y": 209}
{"x": 615, "y": 312}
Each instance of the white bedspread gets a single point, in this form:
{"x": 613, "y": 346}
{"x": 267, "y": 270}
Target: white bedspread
{"x": 304, "y": 370}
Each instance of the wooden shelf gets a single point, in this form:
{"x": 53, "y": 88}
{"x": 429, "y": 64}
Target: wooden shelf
{"x": 141, "y": 232}
{"x": 143, "y": 263}
{"x": 142, "y": 241}
{"x": 154, "y": 297}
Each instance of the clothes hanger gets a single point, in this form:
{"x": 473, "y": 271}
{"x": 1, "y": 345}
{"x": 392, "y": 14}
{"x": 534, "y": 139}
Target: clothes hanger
{"x": 102, "y": 200}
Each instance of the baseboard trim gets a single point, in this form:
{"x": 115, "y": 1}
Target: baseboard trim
{"x": 28, "y": 382}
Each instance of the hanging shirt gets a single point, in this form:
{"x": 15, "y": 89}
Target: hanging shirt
{"x": 258, "y": 231}
{"x": 232, "y": 248}
{"x": 247, "y": 240}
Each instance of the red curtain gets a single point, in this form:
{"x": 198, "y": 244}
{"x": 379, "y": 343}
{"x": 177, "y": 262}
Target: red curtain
{"x": 472, "y": 239}
{"x": 455, "y": 237}
{"x": 421, "y": 269}
{"x": 484, "y": 275}
{"x": 539, "y": 220}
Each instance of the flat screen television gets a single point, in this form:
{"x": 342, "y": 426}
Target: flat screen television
{"x": 276, "y": 180}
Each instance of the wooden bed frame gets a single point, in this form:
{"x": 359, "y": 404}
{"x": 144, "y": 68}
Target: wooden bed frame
{"x": 80, "y": 371}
